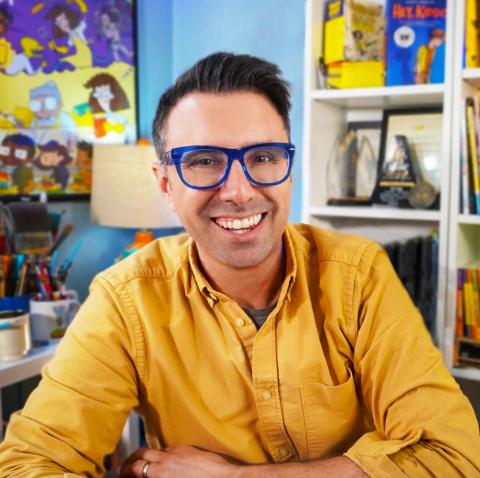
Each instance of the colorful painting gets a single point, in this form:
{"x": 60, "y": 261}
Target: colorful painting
{"x": 67, "y": 77}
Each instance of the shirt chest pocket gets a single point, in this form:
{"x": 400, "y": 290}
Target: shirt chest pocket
{"x": 333, "y": 417}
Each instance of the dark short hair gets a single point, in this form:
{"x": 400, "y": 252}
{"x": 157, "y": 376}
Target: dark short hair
{"x": 224, "y": 73}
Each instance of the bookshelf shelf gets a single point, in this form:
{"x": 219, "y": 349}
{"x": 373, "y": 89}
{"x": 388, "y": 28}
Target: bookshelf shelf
{"x": 386, "y": 97}
{"x": 469, "y": 219}
{"x": 468, "y": 373}
{"x": 369, "y": 212}
{"x": 472, "y": 75}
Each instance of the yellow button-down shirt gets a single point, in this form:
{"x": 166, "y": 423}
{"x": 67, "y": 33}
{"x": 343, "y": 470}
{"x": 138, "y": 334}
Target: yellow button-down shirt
{"x": 343, "y": 364}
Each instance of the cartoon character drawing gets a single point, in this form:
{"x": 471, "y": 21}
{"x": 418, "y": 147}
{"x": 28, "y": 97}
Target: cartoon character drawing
{"x": 84, "y": 163}
{"x": 426, "y": 56}
{"x": 110, "y": 20}
{"x": 18, "y": 150}
{"x": 31, "y": 51}
{"x": 106, "y": 99}
{"x": 54, "y": 157}
{"x": 5, "y": 19}
{"x": 68, "y": 23}
{"x": 46, "y": 104}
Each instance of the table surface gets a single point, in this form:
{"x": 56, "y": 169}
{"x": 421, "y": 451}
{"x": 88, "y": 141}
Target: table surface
{"x": 26, "y": 367}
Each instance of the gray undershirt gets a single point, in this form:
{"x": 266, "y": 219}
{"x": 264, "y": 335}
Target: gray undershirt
{"x": 259, "y": 316}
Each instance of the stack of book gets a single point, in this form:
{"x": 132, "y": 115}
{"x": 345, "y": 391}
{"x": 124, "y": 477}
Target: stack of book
{"x": 416, "y": 264}
{"x": 470, "y": 157}
{"x": 371, "y": 43}
{"x": 467, "y": 344}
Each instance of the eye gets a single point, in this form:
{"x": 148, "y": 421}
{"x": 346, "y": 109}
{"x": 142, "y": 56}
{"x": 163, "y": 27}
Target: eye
{"x": 261, "y": 157}
{"x": 203, "y": 160}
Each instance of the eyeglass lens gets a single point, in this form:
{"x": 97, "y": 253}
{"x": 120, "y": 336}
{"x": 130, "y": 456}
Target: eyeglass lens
{"x": 204, "y": 168}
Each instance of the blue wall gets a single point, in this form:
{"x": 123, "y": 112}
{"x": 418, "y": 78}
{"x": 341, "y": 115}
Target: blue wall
{"x": 172, "y": 35}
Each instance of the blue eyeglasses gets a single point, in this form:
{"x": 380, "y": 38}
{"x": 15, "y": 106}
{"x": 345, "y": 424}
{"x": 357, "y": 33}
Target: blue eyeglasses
{"x": 206, "y": 167}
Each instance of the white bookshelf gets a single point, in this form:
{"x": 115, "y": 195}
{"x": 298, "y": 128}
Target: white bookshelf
{"x": 373, "y": 212}
{"x": 326, "y": 112}
{"x": 464, "y": 230}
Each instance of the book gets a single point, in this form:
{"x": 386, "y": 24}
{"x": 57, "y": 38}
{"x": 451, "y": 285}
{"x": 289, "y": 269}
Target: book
{"x": 464, "y": 171}
{"x": 460, "y": 305}
{"x": 353, "y": 44}
{"x": 473, "y": 156}
{"x": 472, "y": 35}
{"x": 415, "y": 41}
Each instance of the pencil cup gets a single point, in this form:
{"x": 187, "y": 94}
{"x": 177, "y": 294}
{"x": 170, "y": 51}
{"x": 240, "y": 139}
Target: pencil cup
{"x": 50, "y": 318}
{"x": 15, "y": 339}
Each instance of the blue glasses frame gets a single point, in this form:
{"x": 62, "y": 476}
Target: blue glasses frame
{"x": 174, "y": 156}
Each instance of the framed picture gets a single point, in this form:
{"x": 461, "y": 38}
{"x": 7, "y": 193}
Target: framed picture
{"x": 352, "y": 168}
{"x": 68, "y": 68}
{"x": 409, "y": 170}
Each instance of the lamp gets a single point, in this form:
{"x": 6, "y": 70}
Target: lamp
{"x": 125, "y": 193}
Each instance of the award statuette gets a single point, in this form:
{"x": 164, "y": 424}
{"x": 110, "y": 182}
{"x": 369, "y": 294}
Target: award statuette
{"x": 343, "y": 171}
{"x": 396, "y": 175}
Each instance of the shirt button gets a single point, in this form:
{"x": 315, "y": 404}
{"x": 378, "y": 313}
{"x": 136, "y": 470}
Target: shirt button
{"x": 266, "y": 395}
{"x": 240, "y": 322}
{"x": 283, "y": 451}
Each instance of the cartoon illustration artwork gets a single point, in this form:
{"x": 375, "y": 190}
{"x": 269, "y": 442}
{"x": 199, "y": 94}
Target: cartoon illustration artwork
{"x": 82, "y": 179}
{"x": 67, "y": 23}
{"x": 67, "y": 81}
{"x": 106, "y": 98}
{"x": 110, "y": 20}
{"x": 53, "y": 157}
{"x": 426, "y": 56}
{"x": 18, "y": 151}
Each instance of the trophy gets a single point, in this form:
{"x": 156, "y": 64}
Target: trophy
{"x": 351, "y": 171}
{"x": 400, "y": 180}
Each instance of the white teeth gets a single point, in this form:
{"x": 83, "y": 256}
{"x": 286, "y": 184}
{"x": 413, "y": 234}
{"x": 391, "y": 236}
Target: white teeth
{"x": 239, "y": 225}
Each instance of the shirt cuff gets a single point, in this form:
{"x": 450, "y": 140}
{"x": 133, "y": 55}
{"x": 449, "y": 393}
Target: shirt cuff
{"x": 371, "y": 453}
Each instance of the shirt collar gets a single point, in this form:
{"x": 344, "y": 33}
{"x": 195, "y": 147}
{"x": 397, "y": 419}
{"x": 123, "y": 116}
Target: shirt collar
{"x": 213, "y": 295}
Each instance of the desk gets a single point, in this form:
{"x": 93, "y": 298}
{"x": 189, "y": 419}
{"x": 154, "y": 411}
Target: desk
{"x": 31, "y": 365}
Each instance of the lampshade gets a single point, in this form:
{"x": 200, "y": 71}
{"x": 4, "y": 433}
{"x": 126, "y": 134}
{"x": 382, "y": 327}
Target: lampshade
{"x": 124, "y": 190}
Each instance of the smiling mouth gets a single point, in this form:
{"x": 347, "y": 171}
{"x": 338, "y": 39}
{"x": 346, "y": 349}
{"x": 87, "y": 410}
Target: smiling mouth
{"x": 237, "y": 225}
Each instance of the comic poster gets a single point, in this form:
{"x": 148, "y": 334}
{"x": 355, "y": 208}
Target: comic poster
{"x": 67, "y": 80}
{"x": 415, "y": 41}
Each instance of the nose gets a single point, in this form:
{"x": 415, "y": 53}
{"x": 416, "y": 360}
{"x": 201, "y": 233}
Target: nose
{"x": 237, "y": 188}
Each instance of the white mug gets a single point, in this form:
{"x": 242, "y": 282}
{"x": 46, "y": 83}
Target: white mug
{"x": 50, "y": 318}
{"x": 15, "y": 339}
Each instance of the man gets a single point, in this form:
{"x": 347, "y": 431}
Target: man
{"x": 251, "y": 347}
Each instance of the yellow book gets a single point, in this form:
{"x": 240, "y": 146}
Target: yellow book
{"x": 356, "y": 74}
{"x": 472, "y": 37}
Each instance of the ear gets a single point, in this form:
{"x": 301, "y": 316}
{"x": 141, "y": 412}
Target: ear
{"x": 160, "y": 172}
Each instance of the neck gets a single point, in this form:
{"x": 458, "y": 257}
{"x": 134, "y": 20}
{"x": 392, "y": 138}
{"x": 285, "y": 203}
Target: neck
{"x": 255, "y": 287}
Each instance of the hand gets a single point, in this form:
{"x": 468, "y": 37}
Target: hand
{"x": 185, "y": 461}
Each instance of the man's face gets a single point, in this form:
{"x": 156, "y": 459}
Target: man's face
{"x": 232, "y": 121}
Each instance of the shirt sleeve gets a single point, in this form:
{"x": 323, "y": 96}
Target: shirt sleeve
{"x": 76, "y": 415}
{"x": 424, "y": 425}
